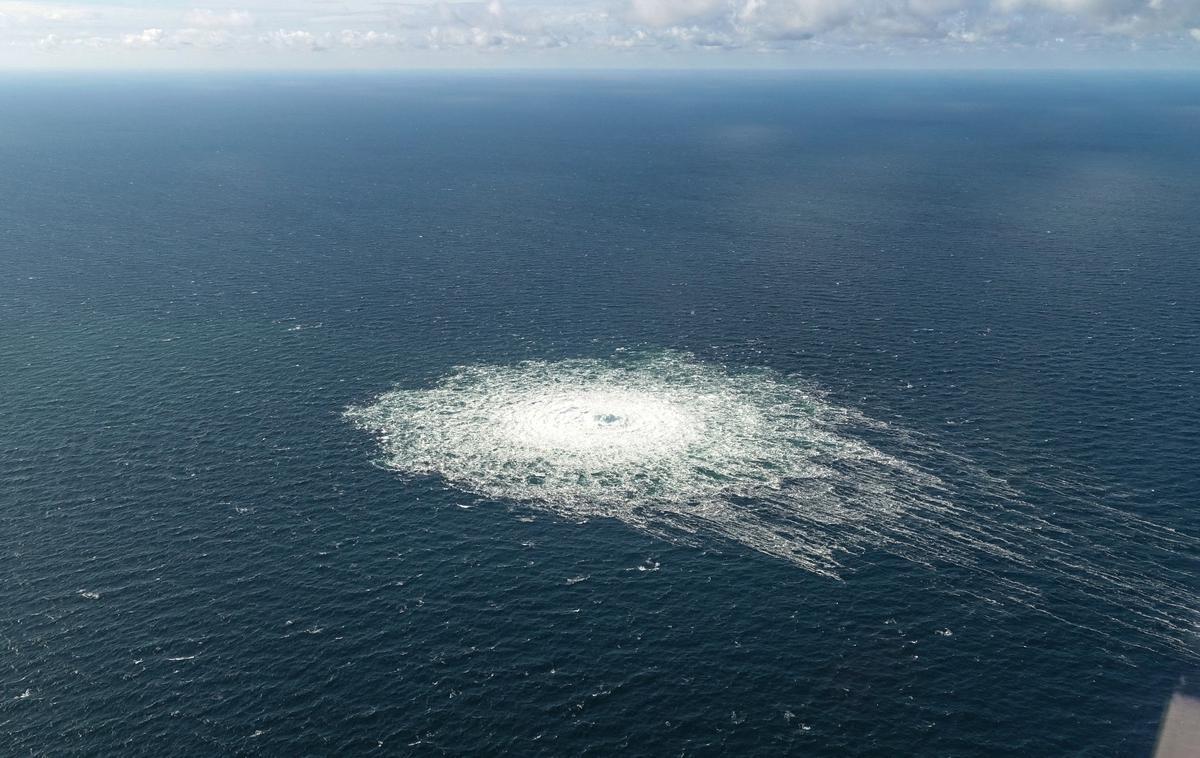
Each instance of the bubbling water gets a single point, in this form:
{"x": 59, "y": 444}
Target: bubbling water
{"x": 612, "y": 424}
{"x": 689, "y": 451}
{"x": 662, "y": 442}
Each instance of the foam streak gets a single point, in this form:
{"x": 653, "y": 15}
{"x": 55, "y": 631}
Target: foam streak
{"x": 683, "y": 450}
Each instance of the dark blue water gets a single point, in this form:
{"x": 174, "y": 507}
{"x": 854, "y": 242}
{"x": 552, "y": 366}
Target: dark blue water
{"x": 199, "y": 554}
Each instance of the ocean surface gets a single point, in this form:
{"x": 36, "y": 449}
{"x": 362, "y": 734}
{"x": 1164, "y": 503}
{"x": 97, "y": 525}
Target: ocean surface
{"x": 637, "y": 414}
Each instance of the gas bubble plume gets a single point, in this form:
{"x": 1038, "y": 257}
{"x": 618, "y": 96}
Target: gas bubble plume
{"x": 687, "y": 450}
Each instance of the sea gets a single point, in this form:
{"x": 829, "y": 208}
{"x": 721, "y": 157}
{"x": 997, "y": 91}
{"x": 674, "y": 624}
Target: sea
{"x": 598, "y": 413}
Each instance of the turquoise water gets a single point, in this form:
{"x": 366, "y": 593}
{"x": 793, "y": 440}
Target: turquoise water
{"x": 554, "y": 415}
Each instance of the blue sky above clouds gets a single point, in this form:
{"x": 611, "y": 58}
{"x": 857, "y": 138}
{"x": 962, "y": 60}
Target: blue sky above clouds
{"x": 602, "y": 33}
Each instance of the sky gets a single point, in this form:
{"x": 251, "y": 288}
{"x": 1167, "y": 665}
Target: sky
{"x": 381, "y": 34}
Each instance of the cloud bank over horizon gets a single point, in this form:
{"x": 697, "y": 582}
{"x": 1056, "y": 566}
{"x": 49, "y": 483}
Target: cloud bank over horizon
{"x": 607, "y": 33}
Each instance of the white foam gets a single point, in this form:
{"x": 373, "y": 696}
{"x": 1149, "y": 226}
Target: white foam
{"x": 660, "y": 442}
{"x": 683, "y": 449}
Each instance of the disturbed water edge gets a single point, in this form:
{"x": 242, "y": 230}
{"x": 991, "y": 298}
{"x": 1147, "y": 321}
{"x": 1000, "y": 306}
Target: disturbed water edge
{"x": 684, "y": 450}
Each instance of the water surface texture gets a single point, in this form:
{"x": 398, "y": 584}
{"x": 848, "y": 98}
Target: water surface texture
{"x": 638, "y": 414}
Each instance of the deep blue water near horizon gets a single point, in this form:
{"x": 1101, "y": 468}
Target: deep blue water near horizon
{"x": 199, "y": 555}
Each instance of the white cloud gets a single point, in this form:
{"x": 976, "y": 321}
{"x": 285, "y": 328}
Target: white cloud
{"x": 206, "y": 18}
{"x": 144, "y": 38}
{"x": 597, "y": 30}
{"x": 32, "y": 13}
{"x": 358, "y": 40}
{"x": 294, "y": 39}
{"x": 673, "y": 12}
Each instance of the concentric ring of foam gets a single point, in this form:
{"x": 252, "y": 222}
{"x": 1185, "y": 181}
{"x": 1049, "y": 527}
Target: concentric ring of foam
{"x": 613, "y": 421}
{"x": 657, "y": 440}
{"x": 681, "y": 449}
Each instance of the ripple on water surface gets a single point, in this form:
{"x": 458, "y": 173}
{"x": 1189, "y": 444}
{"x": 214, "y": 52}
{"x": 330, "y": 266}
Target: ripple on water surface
{"x": 684, "y": 449}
